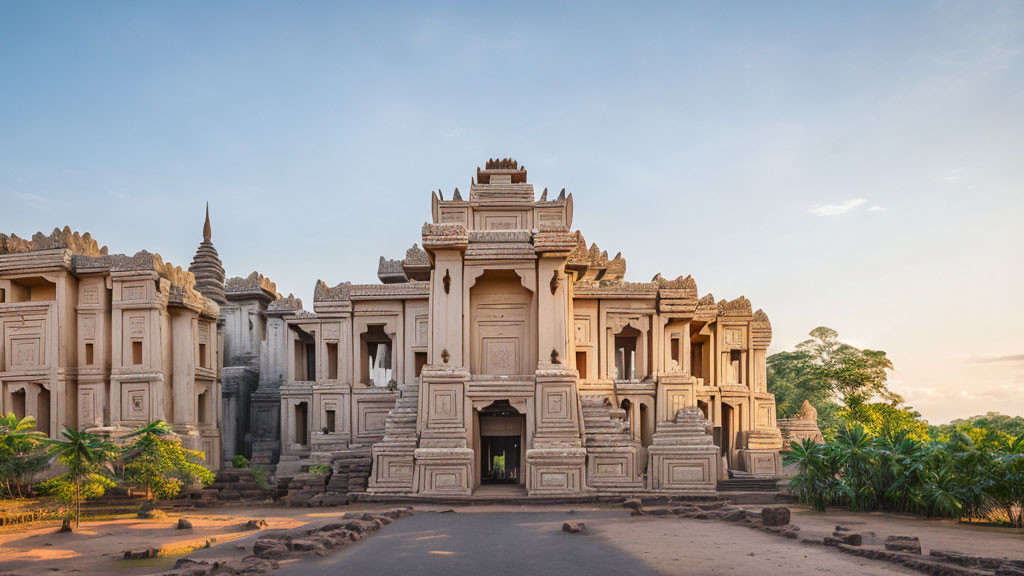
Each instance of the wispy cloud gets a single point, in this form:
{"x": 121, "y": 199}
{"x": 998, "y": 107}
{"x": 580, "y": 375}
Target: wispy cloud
{"x": 836, "y": 209}
{"x": 1007, "y": 359}
{"x": 876, "y": 208}
{"x": 36, "y": 201}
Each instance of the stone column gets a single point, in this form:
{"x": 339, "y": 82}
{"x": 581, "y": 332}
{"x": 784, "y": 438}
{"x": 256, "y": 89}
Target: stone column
{"x": 556, "y": 460}
{"x": 444, "y": 463}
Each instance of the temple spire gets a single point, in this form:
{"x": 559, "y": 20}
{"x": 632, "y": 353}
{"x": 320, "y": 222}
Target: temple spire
{"x": 207, "y": 232}
{"x": 207, "y": 267}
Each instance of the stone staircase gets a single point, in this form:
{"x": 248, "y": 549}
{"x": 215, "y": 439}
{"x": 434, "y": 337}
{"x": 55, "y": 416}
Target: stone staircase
{"x": 608, "y": 441}
{"x": 748, "y": 484}
{"x": 399, "y": 443}
{"x": 233, "y": 485}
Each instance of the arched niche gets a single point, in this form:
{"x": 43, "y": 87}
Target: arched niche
{"x": 502, "y": 329}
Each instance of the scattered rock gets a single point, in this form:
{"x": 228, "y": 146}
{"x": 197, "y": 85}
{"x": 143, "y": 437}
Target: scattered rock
{"x": 184, "y": 524}
{"x": 396, "y": 513}
{"x": 910, "y": 544}
{"x": 736, "y": 515}
{"x": 269, "y": 548}
{"x": 257, "y": 565}
{"x": 778, "y": 516}
{"x": 1011, "y": 568}
{"x": 851, "y": 538}
{"x": 141, "y": 554}
{"x": 574, "y": 527}
{"x": 255, "y": 525}
{"x": 448, "y": 511}
{"x": 304, "y": 545}
{"x": 967, "y": 560}
{"x": 633, "y": 503}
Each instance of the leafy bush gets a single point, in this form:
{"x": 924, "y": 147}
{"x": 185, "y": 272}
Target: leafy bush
{"x": 897, "y": 472}
{"x": 162, "y": 464}
{"x": 239, "y": 461}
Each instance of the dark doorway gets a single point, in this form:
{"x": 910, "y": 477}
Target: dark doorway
{"x": 500, "y": 455}
{"x": 501, "y": 441}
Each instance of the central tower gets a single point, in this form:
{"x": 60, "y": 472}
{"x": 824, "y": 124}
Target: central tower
{"x": 499, "y": 314}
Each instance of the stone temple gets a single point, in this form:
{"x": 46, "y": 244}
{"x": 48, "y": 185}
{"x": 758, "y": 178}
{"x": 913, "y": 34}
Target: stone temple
{"x": 500, "y": 349}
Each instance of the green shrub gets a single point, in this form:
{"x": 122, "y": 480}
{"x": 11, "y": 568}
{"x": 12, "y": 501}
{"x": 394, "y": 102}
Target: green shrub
{"x": 239, "y": 461}
{"x": 898, "y": 472}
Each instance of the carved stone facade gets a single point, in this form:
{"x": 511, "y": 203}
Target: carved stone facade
{"x": 506, "y": 350}
{"x": 106, "y": 343}
{"x": 500, "y": 349}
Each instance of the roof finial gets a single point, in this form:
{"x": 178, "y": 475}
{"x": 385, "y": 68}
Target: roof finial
{"x": 207, "y": 233}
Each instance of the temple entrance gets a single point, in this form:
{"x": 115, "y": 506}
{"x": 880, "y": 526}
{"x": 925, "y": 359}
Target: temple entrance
{"x": 502, "y": 430}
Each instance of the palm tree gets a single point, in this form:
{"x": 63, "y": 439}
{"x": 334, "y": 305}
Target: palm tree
{"x": 146, "y": 441}
{"x": 84, "y": 454}
{"x": 20, "y": 457}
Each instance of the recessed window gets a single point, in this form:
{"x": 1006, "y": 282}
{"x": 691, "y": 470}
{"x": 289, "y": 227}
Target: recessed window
{"x": 202, "y": 356}
{"x": 89, "y": 360}
{"x": 332, "y": 361}
{"x": 421, "y": 361}
{"x": 331, "y": 417}
{"x": 301, "y": 411}
{"x": 581, "y": 364}
{"x": 202, "y": 409}
{"x": 137, "y": 353}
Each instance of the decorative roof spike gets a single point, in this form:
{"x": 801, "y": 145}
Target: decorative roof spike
{"x": 457, "y": 196}
{"x": 207, "y": 230}
{"x": 561, "y": 195}
{"x": 440, "y": 194}
{"x": 544, "y": 195}
{"x": 207, "y": 267}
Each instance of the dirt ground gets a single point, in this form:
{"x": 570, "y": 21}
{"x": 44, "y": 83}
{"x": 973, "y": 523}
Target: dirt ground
{"x": 661, "y": 545}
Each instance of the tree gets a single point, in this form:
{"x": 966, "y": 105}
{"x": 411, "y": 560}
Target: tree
{"x": 86, "y": 456}
{"x": 881, "y": 419}
{"x": 22, "y": 455}
{"x": 992, "y": 427}
{"x": 161, "y": 464}
{"x": 831, "y": 375}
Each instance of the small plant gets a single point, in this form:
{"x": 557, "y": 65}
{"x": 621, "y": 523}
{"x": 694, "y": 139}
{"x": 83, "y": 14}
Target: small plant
{"x": 239, "y": 461}
{"x": 319, "y": 468}
{"x": 260, "y": 476}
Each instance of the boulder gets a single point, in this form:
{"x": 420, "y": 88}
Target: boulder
{"x": 736, "y": 515}
{"x": 574, "y": 527}
{"x": 851, "y": 538}
{"x": 777, "y": 516}
{"x": 259, "y": 524}
{"x": 304, "y": 545}
{"x": 1011, "y": 568}
{"x": 184, "y": 524}
{"x": 911, "y": 544}
{"x": 269, "y": 548}
{"x": 257, "y": 565}
{"x": 141, "y": 554}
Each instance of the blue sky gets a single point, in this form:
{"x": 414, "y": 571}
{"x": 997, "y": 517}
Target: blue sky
{"x": 855, "y": 165}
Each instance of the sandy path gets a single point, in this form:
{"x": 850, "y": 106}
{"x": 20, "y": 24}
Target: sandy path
{"x": 650, "y": 544}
